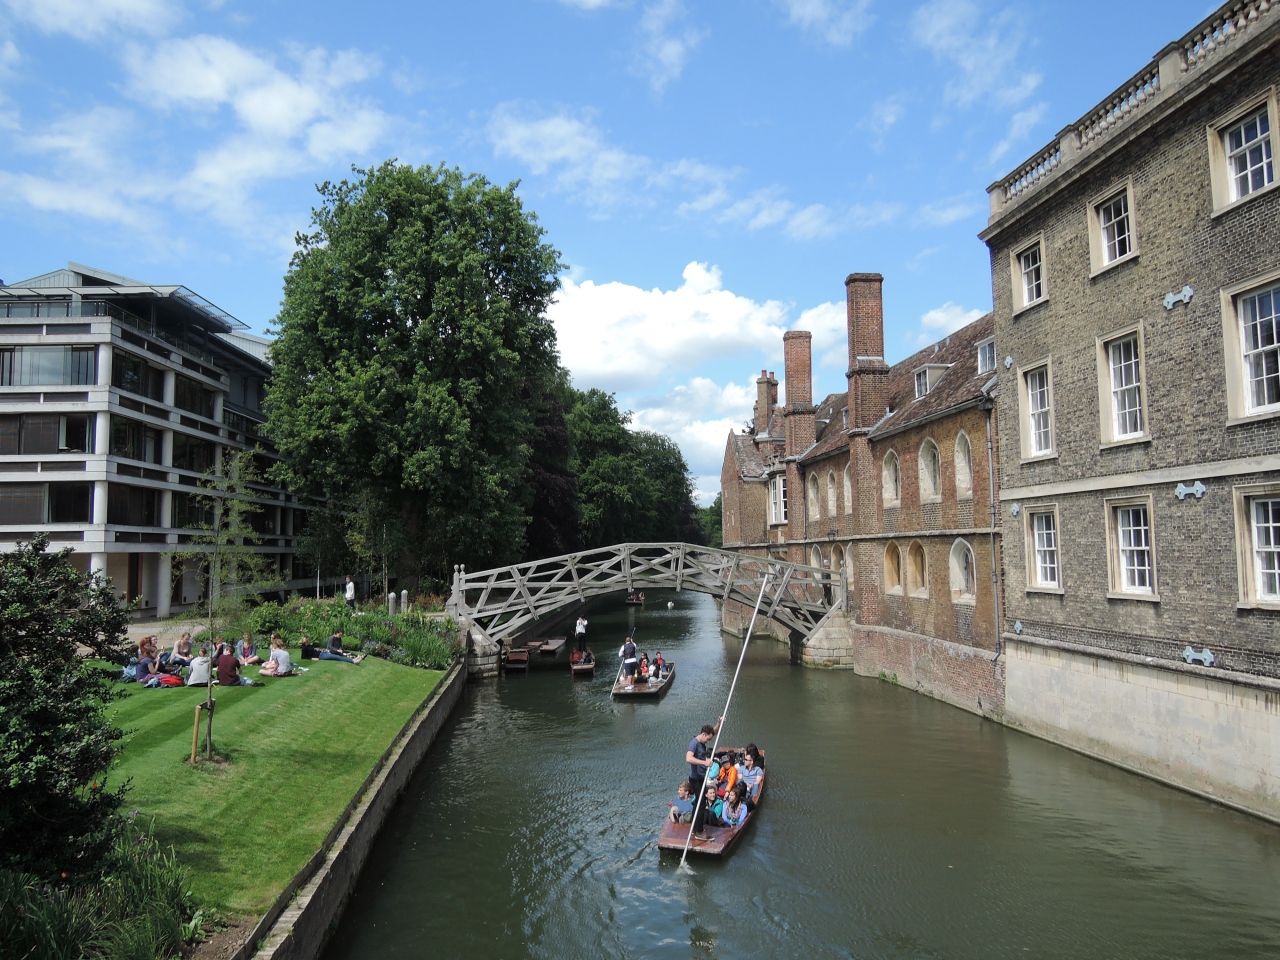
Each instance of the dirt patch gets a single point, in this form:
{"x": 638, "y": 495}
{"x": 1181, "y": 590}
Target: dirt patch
{"x": 223, "y": 943}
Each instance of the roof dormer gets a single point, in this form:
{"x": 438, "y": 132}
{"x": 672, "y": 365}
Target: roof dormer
{"x": 927, "y": 377}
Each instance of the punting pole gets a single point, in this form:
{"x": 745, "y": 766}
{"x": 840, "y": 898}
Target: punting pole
{"x": 715, "y": 743}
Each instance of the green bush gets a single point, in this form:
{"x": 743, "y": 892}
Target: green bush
{"x": 410, "y": 639}
{"x": 136, "y": 910}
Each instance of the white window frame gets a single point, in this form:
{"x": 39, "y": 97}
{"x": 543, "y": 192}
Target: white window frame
{"x": 1109, "y": 426}
{"x": 1022, "y": 296}
{"x": 1249, "y": 574}
{"x": 1240, "y": 406}
{"x": 1100, "y": 259}
{"x": 985, "y": 347}
{"x": 1221, "y": 180}
{"x": 1119, "y": 548}
{"x": 960, "y": 549}
{"x": 922, "y": 383}
{"x": 963, "y": 458}
{"x": 930, "y": 492}
{"x": 1034, "y": 548}
{"x": 891, "y": 492}
{"x": 778, "y": 499}
{"x": 1025, "y": 429}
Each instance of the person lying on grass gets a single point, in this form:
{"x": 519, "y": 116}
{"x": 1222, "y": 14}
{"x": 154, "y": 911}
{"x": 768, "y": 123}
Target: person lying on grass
{"x": 278, "y": 664}
{"x": 247, "y": 651}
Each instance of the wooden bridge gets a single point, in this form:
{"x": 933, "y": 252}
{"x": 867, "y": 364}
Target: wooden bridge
{"x": 507, "y": 600}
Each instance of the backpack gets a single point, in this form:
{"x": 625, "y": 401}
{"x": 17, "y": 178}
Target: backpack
{"x": 169, "y": 680}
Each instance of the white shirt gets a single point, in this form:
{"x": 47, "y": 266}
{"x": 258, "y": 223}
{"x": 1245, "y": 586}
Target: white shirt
{"x": 199, "y": 671}
{"x": 351, "y": 589}
{"x": 582, "y": 625}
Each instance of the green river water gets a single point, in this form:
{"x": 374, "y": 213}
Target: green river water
{"x": 893, "y": 826}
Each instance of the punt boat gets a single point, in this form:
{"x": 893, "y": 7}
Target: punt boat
{"x": 645, "y": 689}
{"x": 516, "y": 660}
{"x": 719, "y": 840}
{"x": 580, "y": 667}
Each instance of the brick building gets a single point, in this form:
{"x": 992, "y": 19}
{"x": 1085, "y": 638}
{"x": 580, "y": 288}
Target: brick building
{"x": 890, "y": 486}
{"x": 1135, "y": 266}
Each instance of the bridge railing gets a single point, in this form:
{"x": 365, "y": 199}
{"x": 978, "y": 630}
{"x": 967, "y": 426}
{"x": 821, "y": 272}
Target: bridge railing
{"x": 506, "y": 600}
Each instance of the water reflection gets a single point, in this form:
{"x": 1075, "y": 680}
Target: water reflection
{"x": 895, "y": 827}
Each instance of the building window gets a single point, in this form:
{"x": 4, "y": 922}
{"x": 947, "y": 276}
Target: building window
{"x": 132, "y": 506}
{"x": 1113, "y": 220}
{"x": 1248, "y": 149}
{"x": 917, "y": 571}
{"x": 848, "y": 488}
{"x": 962, "y": 573}
{"x": 778, "y": 499}
{"x": 192, "y": 453}
{"x": 46, "y": 434}
{"x": 1045, "y": 571}
{"x": 1032, "y": 280}
{"x": 1121, "y": 392}
{"x": 1038, "y": 407}
{"x": 48, "y": 366}
{"x": 814, "y": 503}
{"x": 922, "y": 383}
{"x": 964, "y": 467}
{"x": 833, "y": 506}
{"x": 1131, "y": 553}
{"x": 134, "y": 375}
{"x": 890, "y": 480}
{"x": 892, "y": 569}
{"x": 930, "y": 470}
{"x": 1260, "y": 339}
{"x": 987, "y": 356}
{"x": 70, "y": 502}
{"x": 189, "y": 395}
{"x": 21, "y": 503}
{"x": 1266, "y": 547}
{"x": 134, "y": 441}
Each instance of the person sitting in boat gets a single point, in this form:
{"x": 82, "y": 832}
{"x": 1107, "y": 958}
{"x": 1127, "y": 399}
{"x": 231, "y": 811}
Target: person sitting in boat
{"x": 751, "y": 775}
{"x": 656, "y": 666}
{"x": 642, "y": 671}
{"x": 629, "y": 662}
{"x": 752, "y": 749}
{"x": 708, "y": 813}
{"x": 735, "y": 809}
{"x": 682, "y": 806}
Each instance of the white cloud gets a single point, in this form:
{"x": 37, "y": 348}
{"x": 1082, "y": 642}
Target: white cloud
{"x": 836, "y": 21}
{"x": 90, "y": 19}
{"x": 667, "y": 42}
{"x": 1020, "y": 125}
{"x": 698, "y": 415}
{"x": 828, "y": 322}
{"x": 812, "y": 222}
{"x": 619, "y": 337}
{"x": 949, "y": 210}
{"x": 984, "y": 53}
{"x": 943, "y": 320}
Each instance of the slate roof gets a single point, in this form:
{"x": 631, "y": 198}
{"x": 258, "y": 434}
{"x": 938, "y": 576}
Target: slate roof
{"x": 752, "y": 459}
{"x": 832, "y": 435}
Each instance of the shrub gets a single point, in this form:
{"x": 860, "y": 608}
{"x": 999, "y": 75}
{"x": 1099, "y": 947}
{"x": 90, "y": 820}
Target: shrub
{"x": 410, "y": 639}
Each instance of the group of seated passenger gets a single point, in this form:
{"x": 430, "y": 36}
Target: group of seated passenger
{"x": 225, "y": 665}
{"x": 655, "y": 669}
{"x": 728, "y": 796}
{"x": 635, "y": 597}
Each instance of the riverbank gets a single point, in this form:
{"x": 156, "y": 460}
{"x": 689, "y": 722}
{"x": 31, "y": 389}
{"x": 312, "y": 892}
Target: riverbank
{"x": 297, "y": 750}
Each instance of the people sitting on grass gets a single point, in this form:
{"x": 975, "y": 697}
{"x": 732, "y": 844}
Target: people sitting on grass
{"x": 247, "y": 651}
{"x": 200, "y": 664}
{"x": 333, "y": 650}
{"x": 180, "y": 655}
{"x": 229, "y": 669}
{"x": 682, "y": 806}
{"x": 278, "y": 664}
{"x": 148, "y": 662}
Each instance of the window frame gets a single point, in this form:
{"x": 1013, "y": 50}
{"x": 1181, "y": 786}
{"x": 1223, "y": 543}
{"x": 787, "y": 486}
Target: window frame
{"x": 934, "y": 495}
{"x": 813, "y": 496}
{"x": 1243, "y": 496}
{"x": 1029, "y": 454}
{"x": 1219, "y": 171}
{"x": 898, "y": 589}
{"x": 1033, "y": 581}
{"x": 982, "y": 345}
{"x": 1106, "y": 399}
{"x": 778, "y": 499}
{"x": 918, "y": 375}
{"x": 1116, "y": 589}
{"x": 895, "y": 501}
{"x": 918, "y": 590}
{"x": 1017, "y": 285}
{"x": 1098, "y": 264}
{"x": 848, "y": 488}
{"x": 963, "y": 492}
{"x": 1239, "y": 409}
{"x": 957, "y": 594}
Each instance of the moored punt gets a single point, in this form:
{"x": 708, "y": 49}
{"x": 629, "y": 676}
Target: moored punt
{"x": 718, "y": 840}
{"x": 516, "y": 660}
{"x": 551, "y": 645}
{"x": 650, "y": 689}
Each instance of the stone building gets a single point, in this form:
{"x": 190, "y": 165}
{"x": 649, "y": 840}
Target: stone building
{"x": 1135, "y": 266}
{"x": 889, "y": 485}
{"x": 115, "y": 397}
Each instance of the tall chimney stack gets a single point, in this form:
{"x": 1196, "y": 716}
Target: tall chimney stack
{"x": 868, "y": 373}
{"x": 766, "y": 400}
{"x": 797, "y": 365}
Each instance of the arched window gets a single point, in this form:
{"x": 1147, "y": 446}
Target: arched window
{"x": 837, "y": 557}
{"x": 815, "y": 556}
{"x": 848, "y": 488}
{"x": 963, "y": 577}
{"x": 930, "y": 473}
{"x": 832, "y": 507}
{"x": 892, "y": 569}
{"x": 917, "y": 572}
{"x": 813, "y": 496}
{"x": 889, "y": 480}
{"x": 964, "y": 467}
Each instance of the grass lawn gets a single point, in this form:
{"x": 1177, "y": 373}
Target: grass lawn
{"x": 298, "y": 747}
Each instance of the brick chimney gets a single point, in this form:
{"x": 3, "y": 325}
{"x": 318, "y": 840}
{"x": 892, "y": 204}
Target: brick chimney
{"x": 766, "y": 400}
{"x": 868, "y": 373}
{"x": 797, "y": 371}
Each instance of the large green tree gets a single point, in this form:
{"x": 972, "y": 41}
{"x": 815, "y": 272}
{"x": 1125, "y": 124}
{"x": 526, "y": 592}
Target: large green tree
{"x": 56, "y": 742}
{"x": 413, "y": 353}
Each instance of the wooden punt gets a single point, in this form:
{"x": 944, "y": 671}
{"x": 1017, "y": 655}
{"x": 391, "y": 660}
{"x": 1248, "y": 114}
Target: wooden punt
{"x": 719, "y": 840}
{"x": 580, "y": 669}
{"x": 634, "y": 603}
{"x": 516, "y": 660}
{"x": 551, "y": 645}
{"x": 650, "y": 689}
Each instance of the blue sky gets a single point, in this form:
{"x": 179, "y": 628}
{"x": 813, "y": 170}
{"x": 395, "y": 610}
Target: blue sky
{"x": 710, "y": 171}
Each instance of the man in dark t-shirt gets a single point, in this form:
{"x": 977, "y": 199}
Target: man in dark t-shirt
{"x": 229, "y": 668}
{"x": 696, "y": 756}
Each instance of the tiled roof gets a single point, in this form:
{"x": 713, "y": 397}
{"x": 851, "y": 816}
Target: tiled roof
{"x": 958, "y": 384}
{"x": 832, "y": 434}
{"x": 752, "y": 458}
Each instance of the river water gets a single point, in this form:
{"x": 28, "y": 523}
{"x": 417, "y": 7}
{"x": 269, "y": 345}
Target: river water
{"x": 893, "y": 826}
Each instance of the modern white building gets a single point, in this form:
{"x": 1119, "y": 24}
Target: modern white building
{"x": 115, "y": 397}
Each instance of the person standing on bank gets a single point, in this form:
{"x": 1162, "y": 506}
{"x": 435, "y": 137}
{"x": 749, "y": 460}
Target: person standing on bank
{"x": 629, "y": 662}
{"x": 696, "y": 755}
{"x": 350, "y": 594}
{"x": 580, "y": 634}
